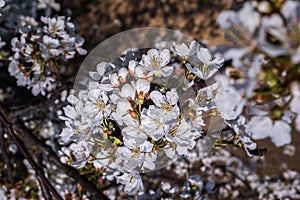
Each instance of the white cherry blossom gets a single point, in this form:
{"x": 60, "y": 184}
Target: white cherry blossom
{"x": 42, "y": 4}
{"x": 168, "y": 103}
{"x": 49, "y": 47}
{"x": 208, "y": 66}
{"x": 137, "y": 156}
{"x": 186, "y": 50}
{"x": 154, "y": 122}
{"x": 132, "y": 181}
{"x": 96, "y": 106}
{"x": 140, "y": 87}
{"x": 133, "y": 130}
{"x": 240, "y": 26}
{"x": 228, "y": 100}
{"x": 101, "y": 67}
{"x": 262, "y": 127}
{"x": 119, "y": 78}
{"x": 81, "y": 151}
{"x": 155, "y": 63}
{"x": 183, "y": 136}
{"x": 165, "y": 101}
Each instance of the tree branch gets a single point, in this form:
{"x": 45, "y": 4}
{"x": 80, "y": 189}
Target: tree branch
{"x": 31, "y": 140}
{"x": 45, "y": 191}
{"x": 9, "y": 127}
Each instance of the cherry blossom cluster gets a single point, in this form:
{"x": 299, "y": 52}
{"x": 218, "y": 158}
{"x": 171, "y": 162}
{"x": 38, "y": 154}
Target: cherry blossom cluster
{"x": 138, "y": 117}
{"x": 40, "y": 44}
{"x": 262, "y": 82}
{"x": 38, "y": 51}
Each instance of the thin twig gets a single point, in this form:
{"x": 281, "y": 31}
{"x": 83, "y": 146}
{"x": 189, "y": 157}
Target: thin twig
{"x": 9, "y": 127}
{"x": 11, "y": 30}
{"x": 45, "y": 191}
{"x": 42, "y": 105}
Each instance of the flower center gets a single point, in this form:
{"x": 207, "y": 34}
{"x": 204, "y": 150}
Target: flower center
{"x": 101, "y": 106}
{"x": 167, "y": 107}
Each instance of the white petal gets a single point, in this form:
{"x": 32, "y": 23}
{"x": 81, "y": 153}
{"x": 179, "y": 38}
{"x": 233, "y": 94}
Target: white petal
{"x": 114, "y": 79}
{"x": 249, "y": 17}
{"x": 101, "y": 67}
{"x": 172, "y": 96}
{"x": 131, "y": 66}
{"x": 131, "y": 144}
{"x": 142, "y": 85}
{"x": 157, "y": 98}
{"x": 131, "y": 132}
{"x": 81, "y": 51}
{"x": 70, "y": 112}
{"x": 170, "y": 152}
{"x": 226, "y": 18}
{"x": 296, "y": 56}
{"x": 140, "y": 72}
{"x": 166, "y": 71}
{"x": 146, "y": 147}
{"x": 95, "y": 76}
{"x": 228, "y": 100}
{"x": 2, "y": 3}
{"x": 289, "y": 9}
{"x": 146, "y": 62}
{"x": 93, "y": 85}
{"x": 149, "y": 162}
{"x": 94, "y": 94}
{"x": 204, "y": 55}
{"x": 217, "y": 62}
{"x": 281, "y": 133}
{"x": 123, "y": 72}
{"x": 236, "y": 54}
{"x": 66, "y": 134}
{"x": 181, "y": 150}
{"x": 182, "y": 49}
{"x": 153, "y": 53}
{"x": 127, "y": 91}
{"x": 165, "y": 57}
{"x": 123, "y": 107}
{"x": 72, "y": 99}
{"x": 260, "y": 127}
{"x": 195, "y": 71}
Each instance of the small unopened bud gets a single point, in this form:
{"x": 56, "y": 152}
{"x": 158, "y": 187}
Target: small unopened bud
{"x": 140, "y": 98}
{"x": 261, "y": 98}
{"x": 132, "y": 114}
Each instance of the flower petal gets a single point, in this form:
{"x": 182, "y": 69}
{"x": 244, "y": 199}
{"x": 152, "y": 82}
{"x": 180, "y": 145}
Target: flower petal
{"x": 204, "y": 55}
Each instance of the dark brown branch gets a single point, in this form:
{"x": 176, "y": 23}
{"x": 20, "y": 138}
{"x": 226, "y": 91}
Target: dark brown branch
{"x": 45, "y": 191}
{"x": 9, "y": 127}
{"x": 47, "y": 151}
{"x": 31, "y": 140}
{"x": 8, "y": 29}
